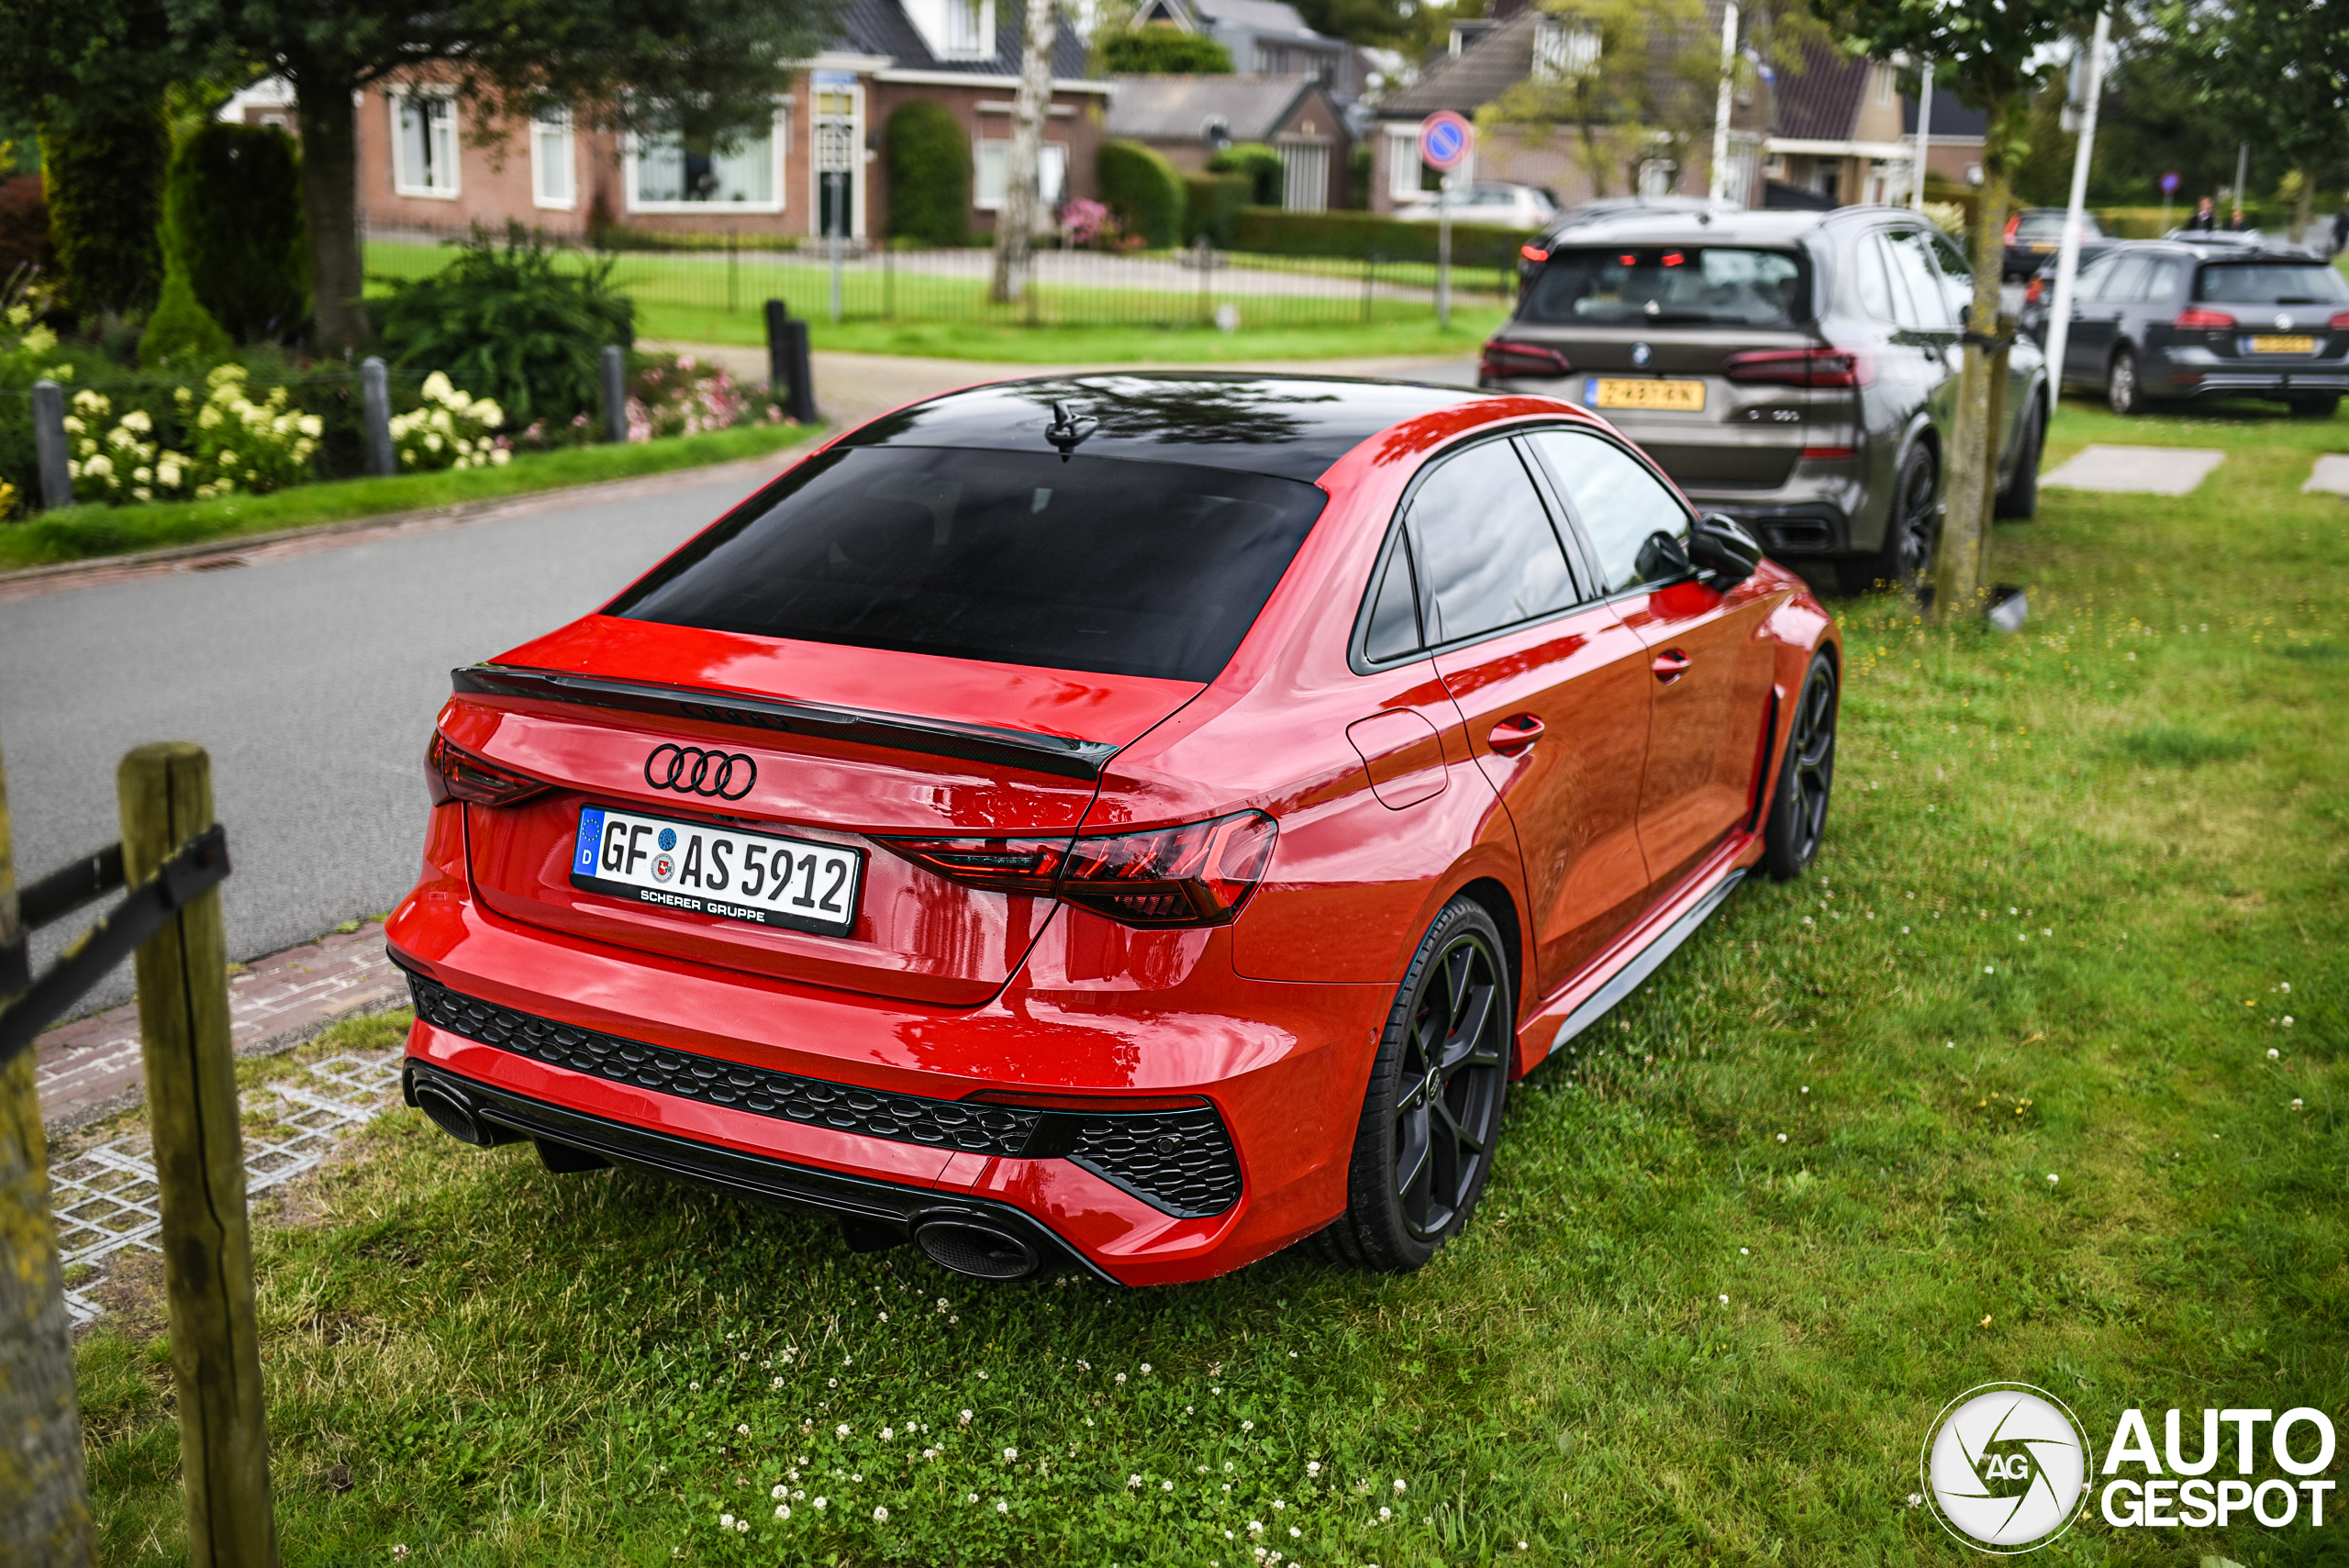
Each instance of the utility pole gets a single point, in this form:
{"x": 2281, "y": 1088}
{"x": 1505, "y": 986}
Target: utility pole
{"x": 1924, "y": 131}
{"x": 2243, "y": 171}
{"x": 1719, "y": 190}
{"x": 2067, "y": 260}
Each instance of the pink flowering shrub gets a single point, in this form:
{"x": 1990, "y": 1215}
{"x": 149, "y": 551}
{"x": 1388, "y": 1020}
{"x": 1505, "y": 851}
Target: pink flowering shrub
{"x": 1088, "y": 225}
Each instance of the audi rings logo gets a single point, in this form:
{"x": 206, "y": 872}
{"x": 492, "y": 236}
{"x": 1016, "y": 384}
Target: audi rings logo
{"x": 689, "y": 770}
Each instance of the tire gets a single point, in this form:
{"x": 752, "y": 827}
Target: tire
{"x": 1449, "y": 1032}
{"x": 1797, "y": 821}
{"x": 2320, "y": 407}
{"x": 2122, "y": 394}
{"x": 2020, "y": 499}
{"x": 1912, "y": 532}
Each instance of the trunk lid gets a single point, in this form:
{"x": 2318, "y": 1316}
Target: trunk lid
{"x": 844, "y": 745}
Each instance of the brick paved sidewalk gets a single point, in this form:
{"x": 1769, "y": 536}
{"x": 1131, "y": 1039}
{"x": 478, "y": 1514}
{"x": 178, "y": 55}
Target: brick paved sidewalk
{"x": 91, "y": 1068}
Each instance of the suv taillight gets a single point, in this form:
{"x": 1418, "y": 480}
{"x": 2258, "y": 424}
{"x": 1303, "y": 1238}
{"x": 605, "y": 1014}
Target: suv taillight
{"x": 2194, "y": 320}
{"x": 1501, "y": 359}
{"x": 1533, "y": 253}
{"x": 452, "y": 772}
{"x": 1801, "y": 367}
{"x": 2014, "y": 225}
{"x": 1196, "y": 875}
{"x": 2339, "y": 322}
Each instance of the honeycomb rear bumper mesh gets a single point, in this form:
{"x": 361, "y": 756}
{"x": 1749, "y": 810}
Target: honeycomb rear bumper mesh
{"x": 1180, "y": 1161}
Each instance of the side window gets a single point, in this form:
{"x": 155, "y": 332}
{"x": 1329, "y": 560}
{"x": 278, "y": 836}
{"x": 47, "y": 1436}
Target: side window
{"x": 1957, "y": 275}
{"x": 1928, "y": 306}
{"x": 2163, "y": 285}
{"x": 1481, "y": 539}
{"x": 1394, "y": 612}
{"x": 1875, "y": 295}
{"x": 2092, "y": 280}
{"x": 1621, "y": 505}
{"x": 2128, "y": 280}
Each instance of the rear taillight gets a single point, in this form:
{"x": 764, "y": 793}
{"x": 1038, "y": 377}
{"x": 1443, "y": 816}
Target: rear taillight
{"x": 2195, "y": 319}
{"x": 2339, "y": 322}
{"x": 452, "y": 772}
{"x": 1801, "y": 367}
{"x": 1533, "y": 253}
{"x": 1197, "y": 875}
{"x": 1502, "y": 359}
{"x": 2032, "y": 290}
{"x": 2014, "y": 225}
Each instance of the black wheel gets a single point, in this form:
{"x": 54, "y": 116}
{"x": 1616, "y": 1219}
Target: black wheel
{"x": 1912, "y": 532}
{"x": 1790, "y": 838}
{"x": 2121, "y": 392}
{"x": 2020, "y": 499}
{"x": 2322, "y": 406}
{"x": 1431, "y": 1116}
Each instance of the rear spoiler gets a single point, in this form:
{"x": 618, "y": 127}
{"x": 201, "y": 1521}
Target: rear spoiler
{"x": 934, "y": 737}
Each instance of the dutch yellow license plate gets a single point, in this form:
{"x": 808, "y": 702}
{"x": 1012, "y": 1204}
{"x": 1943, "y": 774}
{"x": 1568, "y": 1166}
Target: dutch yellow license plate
{"x": 1680, "y": 396}
{"x": 2273, "y": 343}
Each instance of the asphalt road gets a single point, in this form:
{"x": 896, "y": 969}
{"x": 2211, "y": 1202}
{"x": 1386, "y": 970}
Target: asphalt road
{"x": 313, "y": 682}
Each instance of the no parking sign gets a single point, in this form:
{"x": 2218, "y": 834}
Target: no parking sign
{"x": 1445, "y": 140}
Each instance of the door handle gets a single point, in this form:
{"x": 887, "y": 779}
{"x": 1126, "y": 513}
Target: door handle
{"x": 1670, "y": 665}
{"x": 1514, "y": 734}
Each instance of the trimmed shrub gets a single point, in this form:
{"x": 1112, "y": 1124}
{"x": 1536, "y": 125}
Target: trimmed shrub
{"x": 1144, "y": 190}
{"x": 509, "y": 324}
{"x": 104, "y": 180}
{"x": 929, "y": 162}
{"x": 1211, "y": 205}
{"x": 1256, "y": 162}
{"x": 1164, "y": 51}
{"x": 181, "y": 334}
{"x": 232, "y": 220}
{"x": 1270, "y": 231}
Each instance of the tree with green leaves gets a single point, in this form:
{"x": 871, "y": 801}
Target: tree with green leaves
{"x": 710, "y": 69}
{"x": 1987, "y": 53}
{"x": 1162, "y": 50}
{"x": 2277, "y": 72}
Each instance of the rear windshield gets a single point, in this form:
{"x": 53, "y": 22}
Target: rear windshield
{"x": 2049, "y": 225}
{"x": 2270, "y": 283}
{"x": 1102, "y": 564}
{"x": 1643, "y": 284}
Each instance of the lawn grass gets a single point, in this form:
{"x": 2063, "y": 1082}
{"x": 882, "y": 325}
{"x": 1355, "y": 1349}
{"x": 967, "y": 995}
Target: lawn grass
{"x": 1091, "y": 345}
{"x": 78, "y": 533}
{"x": 1742, "y": 1244}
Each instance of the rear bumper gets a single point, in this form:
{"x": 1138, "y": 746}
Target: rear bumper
{"x": 862, "y": 1106}
{"x": 2188, "y": 370}
{"x": 1788, "y": 528}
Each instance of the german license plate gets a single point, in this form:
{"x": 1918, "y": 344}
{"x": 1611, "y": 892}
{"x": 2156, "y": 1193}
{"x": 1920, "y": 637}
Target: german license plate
{"x": 1614, "y": 392}
{"x": 703, "y": 869}
{"x": 2274, "y": 343}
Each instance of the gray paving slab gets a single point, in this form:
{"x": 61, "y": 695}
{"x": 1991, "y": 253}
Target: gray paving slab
{"x": 2142, "y": 471}
{"x": 2332, "y": 473}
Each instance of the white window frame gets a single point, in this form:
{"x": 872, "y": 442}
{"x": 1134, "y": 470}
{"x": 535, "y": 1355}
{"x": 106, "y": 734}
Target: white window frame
{"x": 1403, "y": 165}
{"x": 980, "y": 47}
{"x": 780, "y": 147}
{"x": 554, "y": 127}
{"x": 398, "y": 99}
{"x": 1564, "y": 51}
{"x": 1050, "y": 201}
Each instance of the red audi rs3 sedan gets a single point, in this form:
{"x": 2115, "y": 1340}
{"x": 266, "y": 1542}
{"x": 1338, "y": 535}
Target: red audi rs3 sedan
{"x": 1127, "y": 822}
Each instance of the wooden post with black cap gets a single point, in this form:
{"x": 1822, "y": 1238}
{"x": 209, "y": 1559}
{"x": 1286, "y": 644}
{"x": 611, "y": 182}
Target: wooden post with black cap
{"x": 166, "y": 796}
{"x": 44, "y": 1493}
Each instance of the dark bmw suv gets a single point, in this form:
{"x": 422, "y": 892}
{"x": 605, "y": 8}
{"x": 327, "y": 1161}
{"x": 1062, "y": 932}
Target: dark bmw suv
{"x": 1797, "y": 371}
{"x": 2160, "y": 321}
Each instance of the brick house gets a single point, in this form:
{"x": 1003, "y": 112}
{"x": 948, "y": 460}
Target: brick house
{"x": 817, "y": 171}
{"x": 1188, "y": 118}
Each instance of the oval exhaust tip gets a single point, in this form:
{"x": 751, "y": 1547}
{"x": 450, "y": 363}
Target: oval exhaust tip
{"x": 975, "y": 1249}
{"x": 453, "y": 1115}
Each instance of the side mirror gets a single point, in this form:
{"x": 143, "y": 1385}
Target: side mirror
{"x": 1721, "y": 548}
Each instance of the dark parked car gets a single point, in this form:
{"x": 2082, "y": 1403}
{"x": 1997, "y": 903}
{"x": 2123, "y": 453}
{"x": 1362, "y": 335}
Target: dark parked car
{"x": 2157, "y": 321}
{"x": 1797, "y": 371}
{"x": 2035, "y": 234}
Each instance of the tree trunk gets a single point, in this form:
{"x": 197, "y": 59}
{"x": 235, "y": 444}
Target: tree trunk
{"x": 1015, "y": 225}
{"x": 1962, "y": 569}
{"x": 2304, "y": 209}
{"x": 331, "y": 208}
{"x": 44, "y": 1498}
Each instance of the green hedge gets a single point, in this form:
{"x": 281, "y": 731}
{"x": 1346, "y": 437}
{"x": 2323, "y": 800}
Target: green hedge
{"x": 104, "y": 179}
{"x": 929, "y": 162}
{"x": 1212, "y": 203}
{"x": 1164, "y": 51}
{"x": 1259, "y": 165}
{"x": 232, "y": 219}
{"x": 1270, "y": 231}
{"x": 1144, "y": 190}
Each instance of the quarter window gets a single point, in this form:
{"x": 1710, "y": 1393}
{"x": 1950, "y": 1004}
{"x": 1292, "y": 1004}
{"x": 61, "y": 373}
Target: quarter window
{"x": 1394, "y": 615}
{"x": 1624, "y": 509}
{"x": 2128, "y": 282}
{"x": 1486, "y": 553}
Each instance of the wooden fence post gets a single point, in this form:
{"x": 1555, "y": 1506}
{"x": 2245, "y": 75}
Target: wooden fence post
{"x": 44, "y": 1497}
{"x": 166, "y": 794}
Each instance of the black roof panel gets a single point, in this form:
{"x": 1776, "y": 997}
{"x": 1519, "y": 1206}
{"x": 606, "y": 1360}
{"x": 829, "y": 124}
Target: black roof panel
{"x": 1287, "y": 427}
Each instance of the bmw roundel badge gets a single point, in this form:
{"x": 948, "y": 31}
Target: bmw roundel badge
{"x": 1641, "y": 354}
